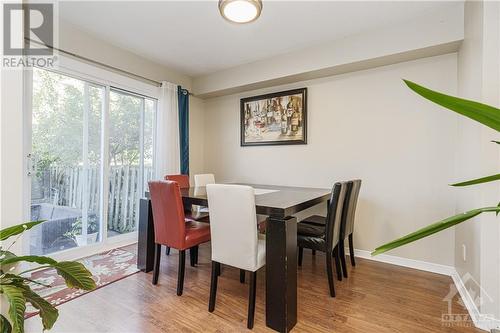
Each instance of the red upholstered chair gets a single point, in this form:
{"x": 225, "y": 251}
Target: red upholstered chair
{"x": 183, "y": 180}
{"x": 172, "y": 229}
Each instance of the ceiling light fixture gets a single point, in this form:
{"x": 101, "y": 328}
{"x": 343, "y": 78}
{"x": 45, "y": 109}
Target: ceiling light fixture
{"x": 240, "y": 11}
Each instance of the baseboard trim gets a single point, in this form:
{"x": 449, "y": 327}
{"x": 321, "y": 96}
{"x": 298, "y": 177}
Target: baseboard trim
{"x": 90, "y": 250}
{"x": 405, "y": 262}
{"x": 486, "y": 324}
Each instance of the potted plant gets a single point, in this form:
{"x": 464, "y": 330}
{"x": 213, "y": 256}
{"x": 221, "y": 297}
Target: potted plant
{"x": 15, "y": 290}
{"x": 92, "y": 231}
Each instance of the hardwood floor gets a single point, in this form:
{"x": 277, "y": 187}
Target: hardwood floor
{"x": 376, "y": 297}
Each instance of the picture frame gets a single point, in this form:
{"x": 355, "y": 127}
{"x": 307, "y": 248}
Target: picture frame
{"x": 278, "y": 118}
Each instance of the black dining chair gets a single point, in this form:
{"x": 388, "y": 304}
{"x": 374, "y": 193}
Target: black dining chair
{"x": 346, "y": 226}
{"x": 325, "y": 237}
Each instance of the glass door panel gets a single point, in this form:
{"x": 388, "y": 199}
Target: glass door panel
{"x": 126, "y": 118}
{"x": 66, "y": 154}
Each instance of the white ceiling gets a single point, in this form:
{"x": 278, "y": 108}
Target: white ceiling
{"x": 191, "y": 36}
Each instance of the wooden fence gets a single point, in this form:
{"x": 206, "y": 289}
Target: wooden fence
{"x": 65, "y": 186}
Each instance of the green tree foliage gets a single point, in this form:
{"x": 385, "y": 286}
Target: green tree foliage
{"x": 124, "y": 130}
{"x": 58, "y": 110}
{"x": 58, "y": 118}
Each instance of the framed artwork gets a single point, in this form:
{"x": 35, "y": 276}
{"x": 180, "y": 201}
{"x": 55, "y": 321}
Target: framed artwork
{"x": 274, "y": 119}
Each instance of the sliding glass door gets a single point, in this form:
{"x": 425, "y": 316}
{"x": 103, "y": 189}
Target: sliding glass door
{"x": 91, "y": 157}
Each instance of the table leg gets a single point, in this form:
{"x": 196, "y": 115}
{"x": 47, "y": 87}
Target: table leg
{"x": 146, "y": 239}
{"x": 281, "y": 273}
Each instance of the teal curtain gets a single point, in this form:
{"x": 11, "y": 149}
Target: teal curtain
{"x": 183, "y": 95}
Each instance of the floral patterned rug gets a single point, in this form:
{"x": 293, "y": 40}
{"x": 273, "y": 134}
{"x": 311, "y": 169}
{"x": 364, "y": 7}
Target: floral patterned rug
{"x": 106, "y": 268}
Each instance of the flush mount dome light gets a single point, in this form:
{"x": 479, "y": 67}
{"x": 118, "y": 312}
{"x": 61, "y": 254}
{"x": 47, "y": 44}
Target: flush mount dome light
{"x": 240, "y": 11}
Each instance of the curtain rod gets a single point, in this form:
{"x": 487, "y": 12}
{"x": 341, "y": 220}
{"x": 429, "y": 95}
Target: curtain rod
{"x": 115, "y": 69}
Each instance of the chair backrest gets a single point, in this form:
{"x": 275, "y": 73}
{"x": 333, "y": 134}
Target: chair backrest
{"x": 351, "y": 211}
{"x": 183, "y": 180}
{"x": 233, "y": 225}
{"x": 204, "y": 179}
{"x": 345, "y": 210}
{"x": 168, "y": 213}
{"x": 334, "y": 213}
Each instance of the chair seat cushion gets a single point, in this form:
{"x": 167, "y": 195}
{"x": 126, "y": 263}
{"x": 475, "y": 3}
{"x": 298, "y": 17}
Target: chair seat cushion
{"x": 196, "y": 233}
{"x": 312, "y": 230}
{"x": 311, "y": 236}
{"x": 315, "y": 219}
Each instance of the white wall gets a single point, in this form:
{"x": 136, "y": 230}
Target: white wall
{"x": 73, "y": 39}
{"x": 196, "y": 137}
{"x": 11, "y": 146}
{"x": 11, "y": 150}
{"x": 469, "y": 141}
{"x": 365, "y": 124}
{"x": 479, "y": 77}
{"x": 490, "y": 233}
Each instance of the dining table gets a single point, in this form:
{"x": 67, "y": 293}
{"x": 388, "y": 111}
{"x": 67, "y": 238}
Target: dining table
{"x": 279, "y": 204}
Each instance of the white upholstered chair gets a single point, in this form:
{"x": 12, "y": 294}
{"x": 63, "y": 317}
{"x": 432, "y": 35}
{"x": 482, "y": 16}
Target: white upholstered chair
{"x": 204, "y": 179}
{"x": 200, "y": 181}
{"x": 235, "y": 238}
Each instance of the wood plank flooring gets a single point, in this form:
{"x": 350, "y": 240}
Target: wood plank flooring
{"x": 376, "y": 297}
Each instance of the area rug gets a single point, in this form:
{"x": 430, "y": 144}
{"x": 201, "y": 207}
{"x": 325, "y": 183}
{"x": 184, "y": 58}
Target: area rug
{"x": 106, "y": 268}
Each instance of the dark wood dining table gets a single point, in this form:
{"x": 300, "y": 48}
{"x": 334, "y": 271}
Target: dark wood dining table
{"x": 279, "y": 203}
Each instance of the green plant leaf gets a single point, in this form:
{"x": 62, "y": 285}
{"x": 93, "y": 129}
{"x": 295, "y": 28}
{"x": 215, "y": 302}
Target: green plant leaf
{"x": 75, "y": 274}
{"x": 8, "y": 278}
{"x": 479, "y": 180}
{"x": 38, "y": 259}
{"x": 48, "y": 312}
{"x": 485, "y": 114}
{"x": 5, "y": 326}
{"x": 432, "y": 229}
{"x": 17, "y": 303}
{"x": 4, "y": 255}
{"x": 497, "y": 142}
{"x": 17, "y": 229}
